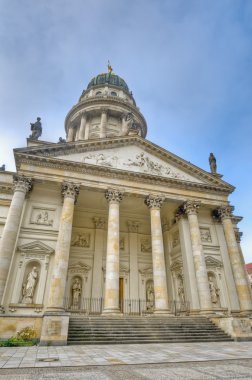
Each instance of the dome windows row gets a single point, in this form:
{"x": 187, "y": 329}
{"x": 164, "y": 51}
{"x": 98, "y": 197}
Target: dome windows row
{"x": 113, "y": 93}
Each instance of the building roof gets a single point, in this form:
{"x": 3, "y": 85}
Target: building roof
{"x": 248, "y": 266}
{"x": 110, "y": 79}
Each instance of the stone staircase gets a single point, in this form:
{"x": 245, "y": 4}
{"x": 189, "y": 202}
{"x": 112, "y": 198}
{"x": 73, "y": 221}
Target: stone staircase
{"x": 119, "y": 330}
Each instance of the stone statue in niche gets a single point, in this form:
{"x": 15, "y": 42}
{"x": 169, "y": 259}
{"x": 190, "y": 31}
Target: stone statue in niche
{"x": 181, "y": 292}
{"x": 146, "y": 245}
{"x": 43, "y": 218}
{"x": 212, "y": 163}
{"x": 127, "y": 122}
{"x": 214, "y": 291}
{"x": 81, "y": 240}
{"x": 122, "y": 244}
{"x": 36, "y": 129}
{"x": 76, "y": 292}
{"x": 149, "y": 296}
{"x": 29, "y": 286}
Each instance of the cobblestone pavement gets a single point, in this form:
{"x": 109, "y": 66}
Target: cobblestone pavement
{"x": 83, "y": 355}
{"x": 224, "y": 369}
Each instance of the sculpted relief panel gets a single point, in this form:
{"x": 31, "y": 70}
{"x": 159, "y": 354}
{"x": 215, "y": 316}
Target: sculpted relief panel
{"x": 42, "y": 216}
{"x": 205, "y": 235}
{"x": 131, "y": 159}
{"x": 81, "y": 239}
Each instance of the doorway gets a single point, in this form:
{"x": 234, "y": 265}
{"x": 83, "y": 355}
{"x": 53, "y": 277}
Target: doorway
{"x": 121, "y": 293}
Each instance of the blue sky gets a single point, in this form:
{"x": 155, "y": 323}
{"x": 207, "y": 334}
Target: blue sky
{"x": 187, "y": 62}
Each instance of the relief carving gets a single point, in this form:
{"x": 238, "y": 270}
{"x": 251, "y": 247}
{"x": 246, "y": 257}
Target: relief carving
{"x": 42, "y": 217}
{"x": 145, "y": 245}
{"x": 175, "y": 239}
{"x": 81, "y": 240}
{"x": 122, "y": 244}
{"x": 205, "y": 235}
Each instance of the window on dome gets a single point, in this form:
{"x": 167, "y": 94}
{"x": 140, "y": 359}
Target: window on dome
{"x": 98, "y": 93}
{"x": 113, "y": 93}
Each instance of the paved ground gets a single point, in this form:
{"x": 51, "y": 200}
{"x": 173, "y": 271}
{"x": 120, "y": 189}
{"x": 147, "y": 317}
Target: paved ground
{"x": 122, "y": 354}
{"x": 233, "y": 369}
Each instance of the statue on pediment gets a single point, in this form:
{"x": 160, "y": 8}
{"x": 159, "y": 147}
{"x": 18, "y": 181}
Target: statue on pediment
{"x": 212, "y": 163}
{"x": 36, "y": 129}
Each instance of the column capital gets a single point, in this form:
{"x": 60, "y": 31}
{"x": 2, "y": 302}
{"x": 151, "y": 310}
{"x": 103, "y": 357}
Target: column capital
{"x": 114, "y": 196}
{"x": 104, "y": 110}
{"x": 154, "y": 201}
{"x": 133, "y": 226}
{"x": 238, "y": 235}
{"x": 191, "y": 207}
{"x": 99, "y": 222}
{"x": 223, "y": 212}
{"x": 70, "y": 190}
{"x": 22, "y": 183}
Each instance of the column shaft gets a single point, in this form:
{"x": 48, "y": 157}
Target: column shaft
{"x": 81, "y": 134}
{"x": 237, "y": 264}
{"x": 70, "y": 135}
{"x": 111, "y": 301}
{"x": 133, "y": 247}
{"x": 10, "y": 232}
{"x": 98, "y": 253}
{"x": 59, "y": 275}
{"x": 159, "y": 272}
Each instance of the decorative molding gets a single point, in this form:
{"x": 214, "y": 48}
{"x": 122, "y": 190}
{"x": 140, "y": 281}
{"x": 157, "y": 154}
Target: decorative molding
{"x": 114, "y": 196}
{"x": 22, "y": 183}
{"x": 79, "y": 268}
{"x": 42, "y": 216}
{"x": 145, "y": 245}
{"x": 154, "y": 201}
{"x": 177, "y": 266}
{"x": 212, "y": 262}
{"x": 205, "y": 235}
{"x": 70, "y": 190}
{"x": 175, "y": 239}
{"x": 223, "y": 212}
{"x": 35, "y": 247}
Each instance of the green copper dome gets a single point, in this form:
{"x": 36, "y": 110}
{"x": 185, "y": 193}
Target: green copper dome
{"x": 110, "y": 79}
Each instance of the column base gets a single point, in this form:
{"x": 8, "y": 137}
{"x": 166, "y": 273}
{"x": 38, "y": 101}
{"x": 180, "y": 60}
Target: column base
{"x": 161, "y": 312}
{"x": 54, "y": 329}
{"x": 112, "y": 312}
{"x": 2, "y": 311}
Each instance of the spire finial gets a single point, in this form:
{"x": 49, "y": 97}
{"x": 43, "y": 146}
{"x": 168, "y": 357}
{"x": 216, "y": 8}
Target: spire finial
{"x": 109, "y": 68}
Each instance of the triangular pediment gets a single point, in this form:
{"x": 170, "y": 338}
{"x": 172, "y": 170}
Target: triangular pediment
{"x": 36, "y": 247}
{"x": 212, "y": 262}
{"x": 125, "y": 155}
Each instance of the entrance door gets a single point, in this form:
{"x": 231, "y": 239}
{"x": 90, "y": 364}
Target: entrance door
{"x": 121, "y": 293}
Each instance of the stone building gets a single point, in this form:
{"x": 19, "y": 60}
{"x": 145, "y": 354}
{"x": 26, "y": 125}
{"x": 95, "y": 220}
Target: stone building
{"x": 108, "y": 222}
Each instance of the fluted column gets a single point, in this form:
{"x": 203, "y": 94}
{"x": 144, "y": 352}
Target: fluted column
{"x": 70, "y": 192}
{"x": 191, "y": 209}
{"x": 81, "y": 134}
{"x": 243, "y": 291}
{"x": 133, "y": 233}
{"x": 22, "y": 186}
{"x": 104, "y": 117}
{"x": 154, "y": 203}
{"x": 111, "y": 301}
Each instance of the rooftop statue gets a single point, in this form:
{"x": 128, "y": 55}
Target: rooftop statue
{"x": 2, "y": 168}
{"x": 36, "y": 129}
{"x": 212, "y": 163}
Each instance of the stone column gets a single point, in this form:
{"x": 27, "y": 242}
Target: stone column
{"x": 154, "y": 203}
{"x": 133, "y": 246}
{"x": 22, "y": 186}
{"x": 104, "y": 117}
{"x": 111, "y": 301}
{"x": 243, "y": 291}
{"x": 191, "y": 209}
{"x": 70, "y": 135}
{"x": 83, "y": 122}
{"x": 70, "y": 192}
{"x": 86, "y": 131}
{"x": 98, "y": 253}
{"x": 55, "y": 321}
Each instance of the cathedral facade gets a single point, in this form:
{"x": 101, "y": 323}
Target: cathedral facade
{"x": 106, "y": 222}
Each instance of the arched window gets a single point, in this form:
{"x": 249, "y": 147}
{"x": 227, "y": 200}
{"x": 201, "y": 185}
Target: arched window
{"x": 113, "y": 93}
{"x": 98, "y": 93}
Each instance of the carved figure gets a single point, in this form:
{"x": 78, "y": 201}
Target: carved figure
{"x": 61, "y": 140}
{"x": 29, "y": 286}
{"x": 146, "y": 245}
{"x": 214, "y": 291}
{"x": 149, "y": 295}
{"x": 81, "y": 240}
{"x": 121, "y": 244}
{"x": 76, "y": 292}
{"x": 36, "y": 129}
{"x": 2, "y": 168}
{"x": 127, "y": 122}
{"x": 205, "y": 235}
{"x": 212, "y": 163}
{"x": 43, "y": 218}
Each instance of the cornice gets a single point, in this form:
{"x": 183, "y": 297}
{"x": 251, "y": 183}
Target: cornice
{"x": 96, "y": 144}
